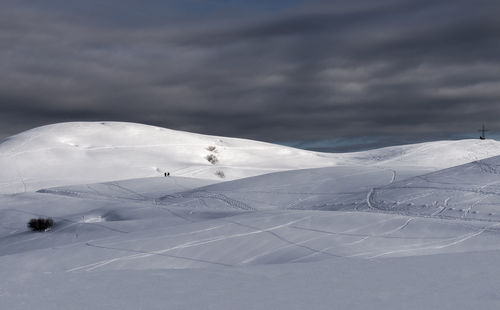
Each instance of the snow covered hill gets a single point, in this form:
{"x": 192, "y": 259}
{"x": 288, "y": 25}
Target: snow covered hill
{"x": 437, "y": 154}
{"x": 79, "y": 153}
{"x": 91, "y": 152}
{"x": 404, "y": 227}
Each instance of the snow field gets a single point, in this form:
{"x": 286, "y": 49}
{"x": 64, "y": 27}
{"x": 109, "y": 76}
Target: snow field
{"x": 413, "y": 227}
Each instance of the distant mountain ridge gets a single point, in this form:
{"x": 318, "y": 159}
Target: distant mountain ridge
{"x": 90, "y": 152}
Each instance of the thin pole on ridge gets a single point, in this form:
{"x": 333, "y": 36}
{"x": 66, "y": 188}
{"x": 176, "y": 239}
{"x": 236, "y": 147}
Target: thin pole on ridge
{"x": 483, "y": 131}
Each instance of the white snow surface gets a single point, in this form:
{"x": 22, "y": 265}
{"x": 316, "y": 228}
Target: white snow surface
{"x": 91, "y": 152}
{"x": 405, "y": 227}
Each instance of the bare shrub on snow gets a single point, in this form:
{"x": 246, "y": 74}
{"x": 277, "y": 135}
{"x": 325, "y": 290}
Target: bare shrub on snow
{"x": 220, "y": 174}
{"x": 212, "y": 148}
{"x": 212, "y": 159}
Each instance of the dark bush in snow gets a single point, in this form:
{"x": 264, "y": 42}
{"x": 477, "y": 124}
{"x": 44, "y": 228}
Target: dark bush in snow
{"x": 212, "y": 159}
{"x": 212, "y": 148}
{"x": 40, "y": 224}
{"x": 220, "y": 174}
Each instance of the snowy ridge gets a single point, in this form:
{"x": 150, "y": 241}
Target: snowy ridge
{"x": 91, "y": 152}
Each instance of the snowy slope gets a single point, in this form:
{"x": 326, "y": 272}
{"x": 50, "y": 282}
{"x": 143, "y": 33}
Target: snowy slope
{"x": 290, "y": 194}
{"x": 130, "y": 245}
{"x": 289, "y": 229}
{"x": 90, "y": 152}
{"x": 469, "y": 191}
{"x": 437, "y": 154}
{"x": 78, "y": 153}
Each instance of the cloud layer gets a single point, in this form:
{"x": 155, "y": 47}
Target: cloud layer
{"x": 287, "y": 71}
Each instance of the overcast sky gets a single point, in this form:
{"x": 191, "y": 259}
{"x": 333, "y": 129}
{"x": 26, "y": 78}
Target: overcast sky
{"x": 372, "y": 72}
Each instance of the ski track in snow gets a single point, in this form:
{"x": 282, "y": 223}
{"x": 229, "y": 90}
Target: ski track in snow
{"x": 384, "y": 235}
{"x": 437, "y": 246}
{"x": 232, "y": 203}
{"x": 369, "y": 198}
{"x": 274, "y": 250}
{"x": 195, "y": 243}
{"x": 393, "y": 176}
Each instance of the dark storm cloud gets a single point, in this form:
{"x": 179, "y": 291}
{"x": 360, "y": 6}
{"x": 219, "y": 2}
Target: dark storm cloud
{"x": 311, "y": 70}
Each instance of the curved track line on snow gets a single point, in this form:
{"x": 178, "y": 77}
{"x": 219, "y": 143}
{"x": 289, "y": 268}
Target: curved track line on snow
{"x": 430, "y": 245}
{"x": 286, "y": 240}
{"x": 194, "y": 243}
{"x": 369, "y": 198}
{"x": 393, "y": 176}
{"x": 253, "y": 258}
{"x": 233, "y": 203}
{"x": 384, "y": 235}
{"x": 148, "y": 254}
{"x": 437, "y": 247}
